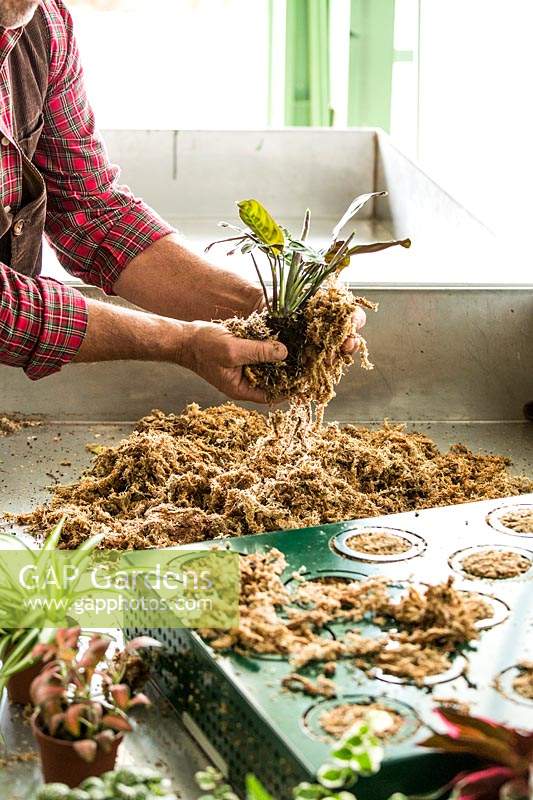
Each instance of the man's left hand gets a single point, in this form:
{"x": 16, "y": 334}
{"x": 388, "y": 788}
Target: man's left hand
{"x": 351, "y": 344}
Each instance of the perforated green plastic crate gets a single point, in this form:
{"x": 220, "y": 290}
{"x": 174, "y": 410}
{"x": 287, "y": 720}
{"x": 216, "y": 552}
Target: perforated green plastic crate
{"x": 236, "y": 709}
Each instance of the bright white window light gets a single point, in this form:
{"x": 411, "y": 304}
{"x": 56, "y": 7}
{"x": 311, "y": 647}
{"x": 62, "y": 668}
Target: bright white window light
{"x": 175, "y": 63}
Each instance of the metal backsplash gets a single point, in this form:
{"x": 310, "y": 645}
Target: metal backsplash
{"x": 455, "y": 352}
{"x": 440, "y": 354}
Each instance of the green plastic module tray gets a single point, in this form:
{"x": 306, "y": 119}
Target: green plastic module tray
{"x": 235, "y": 706}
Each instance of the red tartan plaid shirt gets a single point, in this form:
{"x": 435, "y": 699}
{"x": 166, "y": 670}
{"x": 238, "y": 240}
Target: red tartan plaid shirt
{"x": 95, "y": 225}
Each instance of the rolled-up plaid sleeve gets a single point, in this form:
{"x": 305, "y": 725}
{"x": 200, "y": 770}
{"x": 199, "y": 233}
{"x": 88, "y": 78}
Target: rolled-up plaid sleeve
{"x": 95, "y": 225}
{"x": 42, "y": 323}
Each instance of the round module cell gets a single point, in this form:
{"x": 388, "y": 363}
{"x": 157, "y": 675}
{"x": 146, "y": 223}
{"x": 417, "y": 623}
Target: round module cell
{"x": 516, "y": 683}
{"x": 493, "y": 562}
{"x": 329, "y": 720}
{"x": 324, "y": 578}
{"x": 514, "y": 519}
{"x": 455, "y": 671}
{"x": 498, "y": 610}
{"x": 378, "y": 544}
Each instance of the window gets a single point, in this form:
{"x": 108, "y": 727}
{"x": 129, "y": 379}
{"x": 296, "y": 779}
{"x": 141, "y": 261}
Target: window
{"x": 447, "y": 78}
{"x": 175, "y": 63}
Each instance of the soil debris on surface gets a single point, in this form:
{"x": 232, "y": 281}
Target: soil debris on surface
{"x": 453, "y": 703}
{"x": 523, "y": 683}
{"x": 230, "y": 471}
{"x": 496, "y": 564}
{"x": 519, "y": 521}
{"x": 321, "y": 687}
{"x": 422, "y": 630}
{"x": 338, "y": 720}
{"x": 12, "y": 423}
{"x": 23, "y": 757}
{"x": 379, "y": 543}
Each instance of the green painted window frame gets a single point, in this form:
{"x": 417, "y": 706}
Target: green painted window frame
{"x": 371, "y": 60}
{"x": 307, "y": 78}
{"x": 307, "y": 63}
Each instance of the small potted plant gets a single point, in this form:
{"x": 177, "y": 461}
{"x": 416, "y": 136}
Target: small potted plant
{"x": 82, "y": 705}
{"x": 19, "y": 664}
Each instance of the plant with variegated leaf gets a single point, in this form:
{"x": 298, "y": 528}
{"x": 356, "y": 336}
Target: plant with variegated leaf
{"x": 305, "y": 308}
{"x": 505, "y": 771}
{"x": 81, "y": 696}
{"x": 358, "y": 754}
{"x": 508, "y": 755}
{"x": 297, "y": 269}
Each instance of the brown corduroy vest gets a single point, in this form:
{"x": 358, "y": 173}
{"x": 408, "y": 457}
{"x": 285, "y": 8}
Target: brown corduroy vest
{"x": 27, "y": 64}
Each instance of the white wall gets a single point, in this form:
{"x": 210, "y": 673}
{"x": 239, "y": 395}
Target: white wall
{"x": 476, "y": 88}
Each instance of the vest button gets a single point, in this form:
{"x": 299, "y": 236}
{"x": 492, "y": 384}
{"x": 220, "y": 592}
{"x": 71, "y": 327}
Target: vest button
{"x": 18, "y": 227}
{"x": 5, "y": 141}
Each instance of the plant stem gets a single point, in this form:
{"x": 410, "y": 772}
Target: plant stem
{"x": 280, "y": 264}
{"x": 221, "y": 241}
{"x": 297, "y": 257}
{"x": 275, "y": 306}
{"x": 295, "y": 263}
{"x": 339, "y": 255}
{"x": 263, "y": 287}
{"x": 306, "y": 225}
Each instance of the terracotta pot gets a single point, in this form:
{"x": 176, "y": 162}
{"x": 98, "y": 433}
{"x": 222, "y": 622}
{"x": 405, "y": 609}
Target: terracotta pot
{"x": 60, "y": 762}
{"x": 18, "y": 687}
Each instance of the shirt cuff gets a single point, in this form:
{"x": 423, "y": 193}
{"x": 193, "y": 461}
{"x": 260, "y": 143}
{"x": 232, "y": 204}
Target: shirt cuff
{"x": 138, "y": 228}
{"x": 63, "y": 328}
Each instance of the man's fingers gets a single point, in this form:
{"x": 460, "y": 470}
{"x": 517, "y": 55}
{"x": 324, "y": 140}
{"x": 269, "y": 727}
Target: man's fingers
{"x": 353, "y": 342}
{"x": 349, "y": 345}
{"x": 247, "y": 393}
{"x": 240, "y": 389}
{"x": 359, "y": 319}
{"x": 250, "y": 351}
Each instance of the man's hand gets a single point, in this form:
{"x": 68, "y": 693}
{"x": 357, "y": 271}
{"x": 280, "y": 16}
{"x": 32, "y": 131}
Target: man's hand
{"x": 116, "y": 333}
{"x": 213, "y": 353}
{"x": 358, "y": 321}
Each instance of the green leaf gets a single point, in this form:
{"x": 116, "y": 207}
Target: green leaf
{"x": 261, "y": 223}
{"x": 375, "y": 247}
{"x": 53, "y": 791}
{"x": 333, "y": 777}
{"x": 355, "y": 206}
{"x": 369, "y": 761}
{"x": 255, "y": 789}
{"x": 78, "y": 794}
{"x": 308, "y": 791}
{"x": 52, "y": 540}
{"x": 342, "y": 754}
{"x": 94, "y": 783}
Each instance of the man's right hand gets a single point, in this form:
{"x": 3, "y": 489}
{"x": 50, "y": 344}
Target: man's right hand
{"x": 115, "y": 333}
{"x": 213, "y": 353}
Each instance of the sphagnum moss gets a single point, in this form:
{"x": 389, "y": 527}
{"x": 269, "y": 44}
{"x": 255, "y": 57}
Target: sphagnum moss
{"x": 229, "y": 471}
{"x": 421, "y": 633}
{"x": 314, "y": 338}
